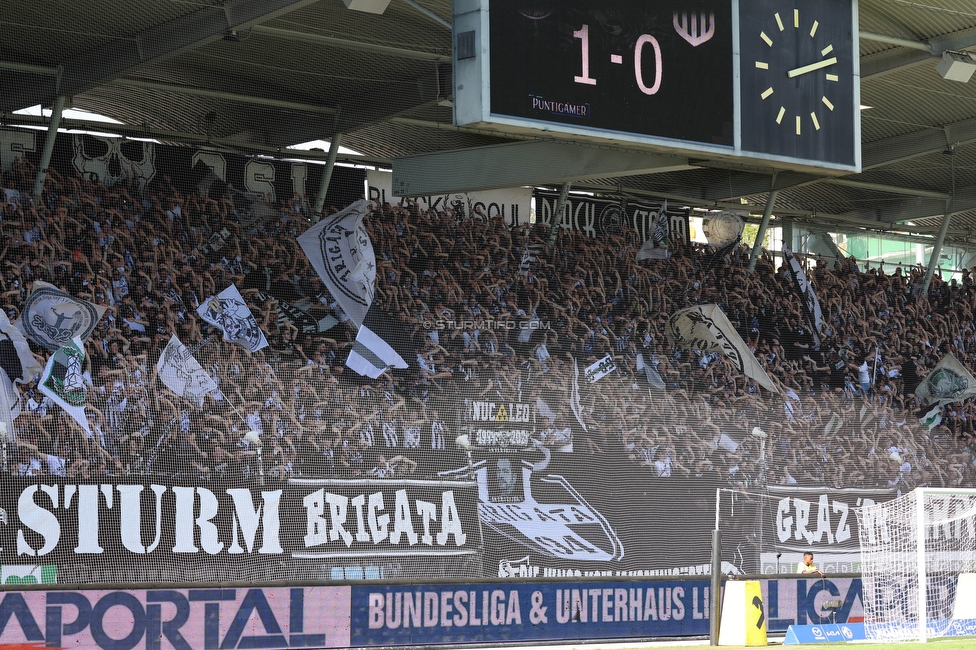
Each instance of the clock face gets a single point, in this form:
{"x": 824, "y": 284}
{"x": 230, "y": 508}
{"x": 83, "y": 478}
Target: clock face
{"x": 797, "y": 70}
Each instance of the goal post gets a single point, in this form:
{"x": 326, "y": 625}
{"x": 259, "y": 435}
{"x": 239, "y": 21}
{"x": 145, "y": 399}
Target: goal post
{"x": 913, "y": 550}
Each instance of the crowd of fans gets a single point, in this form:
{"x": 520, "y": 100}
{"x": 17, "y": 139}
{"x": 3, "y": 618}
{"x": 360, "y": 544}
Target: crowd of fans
{"x": 846, "y": 416}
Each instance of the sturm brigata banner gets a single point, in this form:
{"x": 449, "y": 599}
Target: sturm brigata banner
{"x": 124, "y": 527}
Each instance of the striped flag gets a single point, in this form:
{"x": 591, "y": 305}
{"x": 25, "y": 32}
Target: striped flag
{"x": 530, "y": 255}
{"x": 372, "y": 354}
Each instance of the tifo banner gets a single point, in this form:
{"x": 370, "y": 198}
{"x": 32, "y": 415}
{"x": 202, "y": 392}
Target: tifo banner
{"x": 821, "y": 520}
{"x": 596, "y": 216}
{"x": 188, "y": 619}
{"x": 130, "y": 525}
{"x": 512, "y": 204}
{"x": 153, "y": 166}
{"x": 409, "y": 615}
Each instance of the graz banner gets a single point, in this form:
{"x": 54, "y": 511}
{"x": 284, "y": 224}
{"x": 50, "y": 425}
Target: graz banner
{"x": 128, "y": 525}
{"x": 597, "y": 217}
{"x": 821, "y": 520}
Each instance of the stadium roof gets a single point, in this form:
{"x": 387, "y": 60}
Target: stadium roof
{"x": 259, "y": 75}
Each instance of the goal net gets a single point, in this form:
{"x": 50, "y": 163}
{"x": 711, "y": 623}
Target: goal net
{"x": 914, "y": 549}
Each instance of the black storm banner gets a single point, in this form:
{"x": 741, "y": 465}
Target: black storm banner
{"x": 148, "y": 165}
{"x": 126, "y": 526}
{"x": 597, "y": 217}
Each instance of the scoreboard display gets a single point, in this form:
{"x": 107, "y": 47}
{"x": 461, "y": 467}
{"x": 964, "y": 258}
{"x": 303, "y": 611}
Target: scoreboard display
{"x": 773, "y": 79}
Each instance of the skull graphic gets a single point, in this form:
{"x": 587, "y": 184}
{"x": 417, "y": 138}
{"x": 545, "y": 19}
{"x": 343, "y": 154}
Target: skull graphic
{"x": 111, "y": 160}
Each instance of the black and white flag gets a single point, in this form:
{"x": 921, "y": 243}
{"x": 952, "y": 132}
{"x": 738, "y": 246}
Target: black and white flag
{"x": 181, "y": 373}
{"x": 653, "y": 378}
{"x": 341, "y": 253}
{"x": 52, "y": 317}
{"x": 803, "y": 288}
{"x": 707, "y": 328}
{"x": 372, "y": 354}
{"x": 656, "y": 246}
{"x": 228, "y": 312}
{"x": 289, "y": 312}
{"x": 530, "y": 255}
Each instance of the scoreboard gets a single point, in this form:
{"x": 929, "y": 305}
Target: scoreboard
{"x": 763, "y": 79}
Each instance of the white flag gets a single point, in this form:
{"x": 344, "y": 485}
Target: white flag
{"x": 181, "y": 373}
{"x": 17, "y": 364}
{"x": 656, "y": 246}
{"x": 707, "y": 328}
{"x": 948, "y": 382}
{"x": 600, "y": 369}
{"x": 52, "y": 317}
{"x": 64, "y": 382}
{"x": 341, "y": 253}
{"x": 545, "y": 411}
{"x": 574, "y": 397}
{"x": 228, "y": 312}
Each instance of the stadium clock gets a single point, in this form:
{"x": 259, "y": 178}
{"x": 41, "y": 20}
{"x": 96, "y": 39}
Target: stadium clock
{"x": 798, "y": 78}
{"x": 660, "y": 69}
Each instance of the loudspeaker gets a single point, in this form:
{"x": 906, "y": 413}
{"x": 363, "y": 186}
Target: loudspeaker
{"x": 956, "y": 66}
{"x": 369, "y": 6}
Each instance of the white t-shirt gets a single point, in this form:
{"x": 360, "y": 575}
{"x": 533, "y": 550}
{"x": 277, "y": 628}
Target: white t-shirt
{"x": 56, "y": 466}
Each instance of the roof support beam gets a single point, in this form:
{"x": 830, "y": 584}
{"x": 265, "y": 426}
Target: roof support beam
{"x": 346, "y": 44}
{"x": 520, "y": 164}
{"x": 225, "y": 96}
{"x": 919, "y": 143}
{"x": 891, "y": 60}
{"x": 117, "y": 57}
{"x": 921, "y": 207}
{"x": 889, "y": 189}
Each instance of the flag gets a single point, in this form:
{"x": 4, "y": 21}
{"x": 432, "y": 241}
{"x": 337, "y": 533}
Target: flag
{"x": 707, "y": 328}
{"x": 653, "y": 378}
{"x": 656, "y": 246}
{"x": 931, "y": 417}
{"x": 341, "y": 253}
{"x": 574, "y": 397}
{"x": 52, "y": 317}
{"x": 181, "y": 373}
{"x": 545, "y": 411}
{"x": 17, "y": 364}
{"x": 600, "y": 369}
{"x": 948, "y": 382}
{"x": 373, "y": 352}
{"x": 292, "y": 313}
{"x": 64, "y": 382}
{"x": 804, "y": 291}
{"x": 228, "y": 312}
{"x": 723, "y": 229}
{"x": 530, "y": 254}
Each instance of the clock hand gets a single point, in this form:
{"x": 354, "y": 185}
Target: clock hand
{"x": 796, "y": 72}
